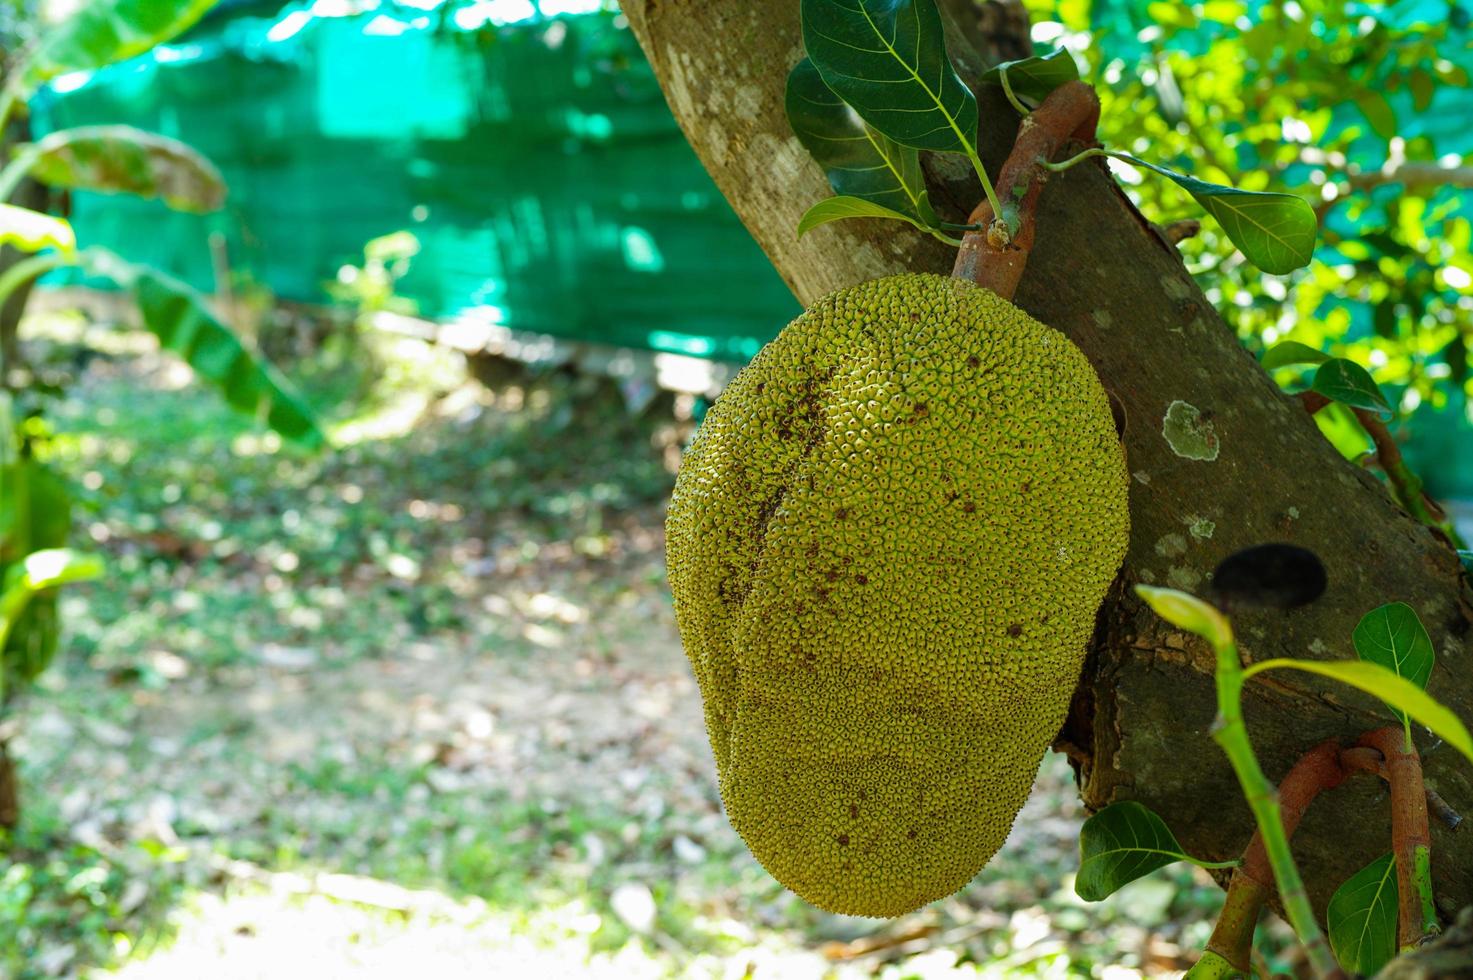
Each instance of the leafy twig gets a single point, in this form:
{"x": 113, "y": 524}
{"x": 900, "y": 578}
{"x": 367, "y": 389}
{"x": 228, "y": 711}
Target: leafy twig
{"x": 995, "y": 258}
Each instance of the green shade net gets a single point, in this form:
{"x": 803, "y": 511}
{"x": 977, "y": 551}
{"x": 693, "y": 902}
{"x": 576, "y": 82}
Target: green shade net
{"x": 535, "y": 160}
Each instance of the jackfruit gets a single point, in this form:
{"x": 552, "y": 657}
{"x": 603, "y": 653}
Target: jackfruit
{"x": 887, "y": 544}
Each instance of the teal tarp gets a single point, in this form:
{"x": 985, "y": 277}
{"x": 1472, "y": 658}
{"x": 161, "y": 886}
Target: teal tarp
{"x": 535, "y": 161}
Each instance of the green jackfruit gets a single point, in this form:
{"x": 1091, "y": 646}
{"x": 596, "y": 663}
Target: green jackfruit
{"x": 887, "y": 544}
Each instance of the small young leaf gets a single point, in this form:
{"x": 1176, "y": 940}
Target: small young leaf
{"x": 1279, "y": 576}
{"x": 121, "y": 159}
{"x": 1121, "y": 843}
{"x": 1186, "y": 611}
{"x": 1292, "y": 352}
{"x": 859, "y": 161}
{"x": 1350, "y": 384}
{"x": 1393, "y": 636}
{"x": 1399, "y": 693}
{"x": 1034, "y": 78}
{"x": 1275, "y": 231}
{"x": 1362, "y": 918}
{"x": 835, "y": 208}
{"x": 887, "y": 59}
{"x": 31, "y": 231}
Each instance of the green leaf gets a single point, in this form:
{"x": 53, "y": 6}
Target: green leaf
{"x": 1121, "y": 843}
{"x": 1292, "y": 352}
{"x": 1399, "y": 693}
{"x": 51, "y": 568}
{"x": 31, "y": 231}
{"x": 1362, "y": 918}
{"x": 1275, "y": 231}
{"x": 836, "y": 208}
{"x": 35, "y": 516}
{"x": 1393, "y": 636}
{"x": 1466, "y": 557}
{"x": 182, "y": 321}
{"x": 1350, "y": 384}
{"x": 104, "y": 31}
{"x": 1378, "y": 112}
{"x": 859, "y": 161}
{"x": 887, "y": 59}
{"x": 122, "y": 159}
{"x": 1186, "y": 611}
{"x": 1034, "y": 78}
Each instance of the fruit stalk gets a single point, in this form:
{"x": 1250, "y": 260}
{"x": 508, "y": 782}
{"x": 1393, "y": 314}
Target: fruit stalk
{"x": 995, "y": 254}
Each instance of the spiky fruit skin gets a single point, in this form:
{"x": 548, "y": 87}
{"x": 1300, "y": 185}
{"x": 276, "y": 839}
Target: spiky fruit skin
{"x": 887, "y": 544}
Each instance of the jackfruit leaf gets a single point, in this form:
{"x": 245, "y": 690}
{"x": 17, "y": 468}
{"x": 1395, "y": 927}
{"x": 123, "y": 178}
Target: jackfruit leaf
{"x": 101, "y": 32}
{"x": 858, "y": 160}
{"x": 1121, "y": 843}
{"x": 1361, "y": 918}
{"x": 1292, "y": 352}
{"x": 182, "y": 321}
{"x": 1276, "y": 232}
{"x": 1034, "y": 78}
{"x": 1393, "y": 636}
{"x": 1350, "y": 384}
{"x": 1466, "y": 557}
{"x": 1277, "y": 576}
{"x": 887, "y": 59}
{"x": 1186, "y": 611}
{"x": 836, "y": 208}
{"x": 122, "y": 159}
{"x": 31, "y": 231}
{"x": 1398, "y": 692}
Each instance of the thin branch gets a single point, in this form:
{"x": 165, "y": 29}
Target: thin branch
{"x": 996, "y": 258}
{"x": 1411, "y": 841}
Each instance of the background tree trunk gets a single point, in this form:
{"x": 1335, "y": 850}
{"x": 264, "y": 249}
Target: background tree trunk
{"x": 1103, "y": 275}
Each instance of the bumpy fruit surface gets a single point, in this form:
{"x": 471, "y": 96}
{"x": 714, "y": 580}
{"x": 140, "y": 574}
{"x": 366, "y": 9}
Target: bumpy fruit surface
{"x": 887, "y": 545}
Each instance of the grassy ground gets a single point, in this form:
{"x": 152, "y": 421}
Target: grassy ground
{"x": 418, "y": 705}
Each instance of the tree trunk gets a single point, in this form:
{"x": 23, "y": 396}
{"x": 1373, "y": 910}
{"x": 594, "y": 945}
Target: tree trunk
{"x": 1104, "y": 276}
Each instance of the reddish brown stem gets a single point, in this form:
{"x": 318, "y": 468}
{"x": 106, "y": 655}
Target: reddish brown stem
{"x": 995, "y": 256}
{"x": 1408, "y": 485}
{"x": 1312, "y": 401}
{"x": 1232, "y": 938}
{"x": 1409, "y": 830}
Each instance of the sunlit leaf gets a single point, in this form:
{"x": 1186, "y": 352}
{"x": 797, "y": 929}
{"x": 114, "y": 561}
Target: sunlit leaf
{"x": 1393, "y": 636}
{"x": 127, "y": 160}
{"x": 1361, "y": 917}
{"x": 101, "y": 32}
{"x": 836, "y": 208}
{"x": 1186, "y": 611}
{"x": 1399, "y": 693}
{"x": 182, "y": 321}
{"x": 1275, "y": 231}
{"x": 1121, "y": 843}
{"x": 887, "y": 59}
{"x": 1292, "y": 352}
{"x": 1034, "y": 78}
{"x": 859, "y": 161}
{"x": 31, "y": 231}
{"x": 1348, "y": 383}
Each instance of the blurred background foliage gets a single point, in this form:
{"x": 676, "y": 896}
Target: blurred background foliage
{"x": 1361, "y": 108}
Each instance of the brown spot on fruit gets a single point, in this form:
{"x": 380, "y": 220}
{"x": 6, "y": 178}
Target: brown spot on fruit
{"x": 843, "y": 840}
{"x": 1015, "y": 630}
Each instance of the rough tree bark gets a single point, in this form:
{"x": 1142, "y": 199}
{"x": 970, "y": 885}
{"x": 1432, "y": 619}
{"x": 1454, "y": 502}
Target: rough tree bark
{"x": 1102, "y": 274}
